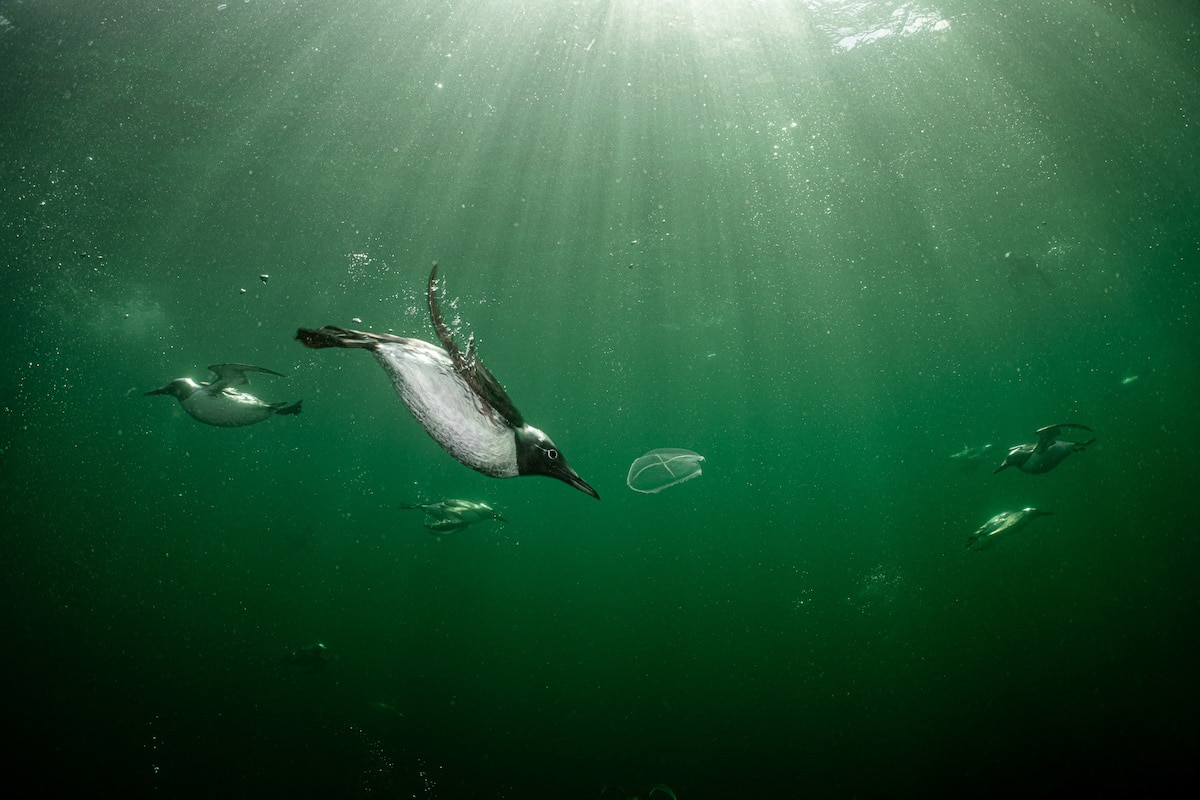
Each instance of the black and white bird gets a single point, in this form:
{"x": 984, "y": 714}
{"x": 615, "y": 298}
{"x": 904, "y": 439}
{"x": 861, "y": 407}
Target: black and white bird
{"x": 218, "y": 403}
{"x": 1003, "y": 524}
{"x": 450, "y": 516}
{"x": 1047, "y": 452}
{"x": 457, "y": 400}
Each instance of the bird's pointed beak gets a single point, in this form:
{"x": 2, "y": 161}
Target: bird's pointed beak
{"x": 1002, "y": 466}
{"x": 160, "y": 390}
{"x": 568, "y": 475}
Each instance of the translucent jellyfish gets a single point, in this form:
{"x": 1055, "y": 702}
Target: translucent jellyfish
{"x": 663, "y": 468}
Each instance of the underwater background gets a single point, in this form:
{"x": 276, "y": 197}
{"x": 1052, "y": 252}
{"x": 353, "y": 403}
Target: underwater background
{"x": 827, "y": 245}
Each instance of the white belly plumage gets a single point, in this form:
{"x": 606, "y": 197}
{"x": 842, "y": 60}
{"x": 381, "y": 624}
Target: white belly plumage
{"x": 227, "y": 408}
{"x": 446, "y": 407}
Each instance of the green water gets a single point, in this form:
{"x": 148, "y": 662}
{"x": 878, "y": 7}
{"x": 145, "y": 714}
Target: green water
{"x": 823, "y": 244}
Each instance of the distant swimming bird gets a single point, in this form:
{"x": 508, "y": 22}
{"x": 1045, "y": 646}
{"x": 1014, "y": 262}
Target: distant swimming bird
{"x": 457, "y": 400}
{"x": 448, "y": 516}
{"x": 312, "y": 657}
{"x": 1003, "y": 524}
{"x": 969, "y": 453}
{"x": 1047, "y": 452}
{"x": 218, "y": 403}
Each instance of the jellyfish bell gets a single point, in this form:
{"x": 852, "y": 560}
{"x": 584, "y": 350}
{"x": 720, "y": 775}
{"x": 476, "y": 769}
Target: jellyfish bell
{"x": 663, "y": 468}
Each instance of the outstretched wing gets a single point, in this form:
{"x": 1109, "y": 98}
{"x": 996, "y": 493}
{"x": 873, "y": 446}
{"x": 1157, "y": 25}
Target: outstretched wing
{"x": 235, "y": 374}
{"x": 1049, "y": 434}
{"x": 491, "y": 394}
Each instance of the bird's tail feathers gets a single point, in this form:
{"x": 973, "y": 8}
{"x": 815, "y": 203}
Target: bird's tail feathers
{"x": 284, "y": 408}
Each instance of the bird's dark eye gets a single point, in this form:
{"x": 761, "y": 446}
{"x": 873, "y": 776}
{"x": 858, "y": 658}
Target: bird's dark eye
{"x": 552, "y": 454}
